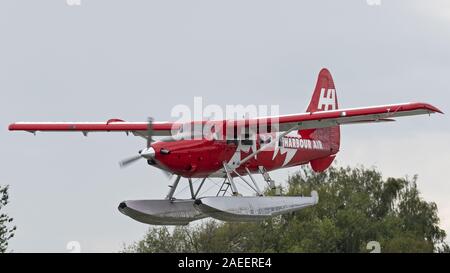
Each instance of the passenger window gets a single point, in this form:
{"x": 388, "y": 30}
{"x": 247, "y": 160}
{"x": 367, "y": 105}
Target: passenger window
{"x": 247, "y": 141}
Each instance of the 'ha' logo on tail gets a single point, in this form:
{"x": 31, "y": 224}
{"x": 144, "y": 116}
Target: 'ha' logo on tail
{"x": 327, "y": 99}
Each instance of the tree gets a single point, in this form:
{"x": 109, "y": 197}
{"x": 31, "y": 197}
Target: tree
{"x": 356, "y": 206}
{"x": 6, "y": 232}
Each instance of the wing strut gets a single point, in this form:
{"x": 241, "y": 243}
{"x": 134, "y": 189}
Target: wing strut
{"x": 173, "y": 187}
{"x": 230, "y": 179}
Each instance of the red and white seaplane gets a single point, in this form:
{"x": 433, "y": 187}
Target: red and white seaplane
{"x": 237, "y": 149}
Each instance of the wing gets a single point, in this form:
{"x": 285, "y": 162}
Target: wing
{"x": 383, "y": 113}
{"x": 282, "y": 123}
{"x": 112, "y": 125}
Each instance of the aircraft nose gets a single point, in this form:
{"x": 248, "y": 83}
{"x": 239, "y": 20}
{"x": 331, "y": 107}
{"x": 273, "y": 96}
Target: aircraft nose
{"x": 148, "y": 153}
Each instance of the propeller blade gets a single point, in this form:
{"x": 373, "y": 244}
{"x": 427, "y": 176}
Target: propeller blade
{"x": 149, "y": 132}
{"x": 124, "y": 163}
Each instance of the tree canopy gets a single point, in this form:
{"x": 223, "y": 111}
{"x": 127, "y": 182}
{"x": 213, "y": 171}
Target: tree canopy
{"x": 356, "y": 206}
{"x": 6, "y": 232}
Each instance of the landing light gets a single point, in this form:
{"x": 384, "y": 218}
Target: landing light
{"x": 164, "y": 151}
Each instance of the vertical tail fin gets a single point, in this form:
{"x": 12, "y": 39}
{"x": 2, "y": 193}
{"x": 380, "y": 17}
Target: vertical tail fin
{"x": 324, "y": 97}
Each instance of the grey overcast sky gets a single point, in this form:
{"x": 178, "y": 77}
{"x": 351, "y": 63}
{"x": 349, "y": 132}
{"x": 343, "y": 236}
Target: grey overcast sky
{"x": 132, "y": 59}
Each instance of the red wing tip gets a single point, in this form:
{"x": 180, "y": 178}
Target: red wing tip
{"x": 433, "y": 108}
{"x": 11, "y": 127}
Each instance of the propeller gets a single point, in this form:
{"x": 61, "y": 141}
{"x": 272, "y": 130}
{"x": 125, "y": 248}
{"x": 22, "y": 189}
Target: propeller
{"x": 147, "y": 153}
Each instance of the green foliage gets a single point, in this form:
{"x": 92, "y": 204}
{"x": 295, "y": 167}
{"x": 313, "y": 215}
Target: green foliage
{"x": 6, "y": 232}
{"x": 356, "y": 206}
